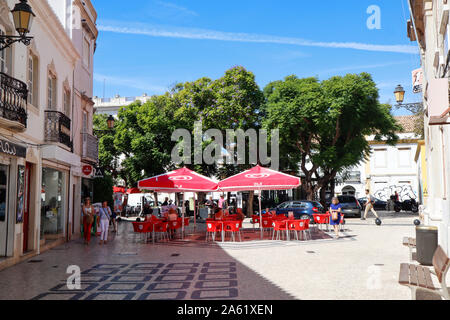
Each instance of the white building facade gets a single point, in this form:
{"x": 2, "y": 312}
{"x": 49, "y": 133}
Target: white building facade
{"x": 111, "y": 106}
{"x": 388, "y": 169}
{"x": 429, "y": 27}
{"x": 39, "y": 206}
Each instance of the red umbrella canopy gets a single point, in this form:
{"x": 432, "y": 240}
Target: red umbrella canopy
{"x": 259, "y": 178}
{"x": 133, "y": 191}
{"x": 181, "y": 180}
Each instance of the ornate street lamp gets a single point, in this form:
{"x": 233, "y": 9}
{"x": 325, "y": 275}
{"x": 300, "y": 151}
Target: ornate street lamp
{"x": 23, "y": 18}
{"x": 400, "y": 97}
{"x": 110, "y": 122}
{"x": 399, "y": 94}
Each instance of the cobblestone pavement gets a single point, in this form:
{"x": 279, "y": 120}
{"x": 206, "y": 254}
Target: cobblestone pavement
{"x": 364, "y": 264}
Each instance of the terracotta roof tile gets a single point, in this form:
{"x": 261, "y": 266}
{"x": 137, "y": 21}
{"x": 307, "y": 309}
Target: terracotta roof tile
{"x": 407, "y": 122}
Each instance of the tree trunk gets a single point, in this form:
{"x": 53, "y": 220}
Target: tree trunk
{"x": 250, "y": 204}
{"x": 309, "y": 189}
{"x": 155, "y": 196}
{"x": 323, "y": 194}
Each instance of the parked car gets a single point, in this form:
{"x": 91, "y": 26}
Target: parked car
{"x": 378, "y": 205}
{"x": 350, "y": 206}
{"x": 301, "y": 209}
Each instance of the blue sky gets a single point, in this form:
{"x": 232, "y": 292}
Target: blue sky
{"x": 148, "y": 45}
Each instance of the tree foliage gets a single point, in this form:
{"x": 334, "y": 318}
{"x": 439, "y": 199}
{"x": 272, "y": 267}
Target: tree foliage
{"x": 324, "y": 124}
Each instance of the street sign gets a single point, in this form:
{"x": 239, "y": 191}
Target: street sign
{"x": 417, "y": 80}
{"x": 87, "y": 170}
{"x": 98, "y": 173}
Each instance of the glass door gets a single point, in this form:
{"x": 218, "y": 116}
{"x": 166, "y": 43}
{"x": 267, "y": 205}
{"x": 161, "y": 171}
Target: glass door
{"x": 3, "y": 209}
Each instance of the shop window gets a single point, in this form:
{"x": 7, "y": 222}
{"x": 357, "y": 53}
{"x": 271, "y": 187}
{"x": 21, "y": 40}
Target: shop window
{"x": 52, "y": 204}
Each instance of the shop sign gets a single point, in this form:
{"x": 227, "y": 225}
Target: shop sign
{"x": 12, "y": 149}
{"x": 87, "y": 170}
{"x": 98, "y": 173}
{"x": 417, "y": 80}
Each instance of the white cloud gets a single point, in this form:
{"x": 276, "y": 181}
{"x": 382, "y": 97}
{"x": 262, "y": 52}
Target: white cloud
{"x": 202, "y": 34}
{"x": 363, "y": 67}
{"x": 178, "y": 8}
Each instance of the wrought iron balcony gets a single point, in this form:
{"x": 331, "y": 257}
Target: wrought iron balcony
{"x": 13, "y": 102}
{"x": 90, "y": 148}
{"x": 57, "y": 128}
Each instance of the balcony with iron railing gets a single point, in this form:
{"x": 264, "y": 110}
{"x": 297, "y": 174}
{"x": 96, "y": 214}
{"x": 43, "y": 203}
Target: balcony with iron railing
{"x": 13, "y": 103}
{"x": 57, "y": 128}
{"x": 89, "y": 150}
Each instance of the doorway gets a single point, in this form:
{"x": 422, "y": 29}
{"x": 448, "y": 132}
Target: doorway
{"x": 4, "y": 221}
{"x": 26, "y": 211}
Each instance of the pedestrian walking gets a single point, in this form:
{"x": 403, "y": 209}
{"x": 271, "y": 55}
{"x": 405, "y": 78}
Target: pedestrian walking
{"x": 369, "y": 205}
{"x": 335, "y": 219}
{"x": 88, "y": 220}
{"x": 103, "y": 221}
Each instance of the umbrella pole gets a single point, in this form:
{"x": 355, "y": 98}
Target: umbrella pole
{"x": 183, "y": 209}
{"x": 195, "y": 212}
{"x": 260, "y": 216}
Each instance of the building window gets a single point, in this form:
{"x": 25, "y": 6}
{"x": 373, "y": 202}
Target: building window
{"x": 86, "y": 52}
{"x": 85, "y": 122}
{"x": 67, "y": 108}
{"x": 3, "y": 57}
{"x": 404, "y": 157}
{"x": 51, "y": 94}
{"x": 33, "y": 80}
{"x": 380, "y": 156}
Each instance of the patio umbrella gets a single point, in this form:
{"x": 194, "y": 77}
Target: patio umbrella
{"x": 259, "y": 178}
{"x": 181, "y": 180}
{"x": 133, "y": 191}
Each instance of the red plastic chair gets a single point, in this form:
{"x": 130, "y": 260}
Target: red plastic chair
{"x": 307, "y": 222}
{"x": 175, "y": 225}
{"x": 232, "y": 227}
{"x": 321, "y": 219}
{"x": 162, "y": 230}
{"x": 297, "y": 226}
{"x": 141, "y": 228}
{"x": 211, "y": 230}
{"x": 255, "y": 220}
{"x": 342, "y": 223}
{"x": 267, "y": 224}
{"x": 278, "y": 226}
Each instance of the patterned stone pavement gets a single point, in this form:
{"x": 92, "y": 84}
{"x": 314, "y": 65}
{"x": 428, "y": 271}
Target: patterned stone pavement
{"x": 363, "y": 264}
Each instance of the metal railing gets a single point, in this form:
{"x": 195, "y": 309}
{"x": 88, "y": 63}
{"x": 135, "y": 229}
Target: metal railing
{"x": 57, "y": 128}
{"x": 90, "y": 147}
{"x": 13, "y": 99}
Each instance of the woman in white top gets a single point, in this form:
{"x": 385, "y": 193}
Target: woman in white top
{"x": 104, "y": 214}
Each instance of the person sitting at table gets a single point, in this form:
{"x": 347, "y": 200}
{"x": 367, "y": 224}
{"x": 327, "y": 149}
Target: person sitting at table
{"x": 172, "y": 215}
{"x": 147, "y": 212}
{"x": 218, "y": 215}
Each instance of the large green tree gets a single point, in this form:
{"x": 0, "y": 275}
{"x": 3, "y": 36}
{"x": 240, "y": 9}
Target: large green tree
{"x": 324, "y": 124}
